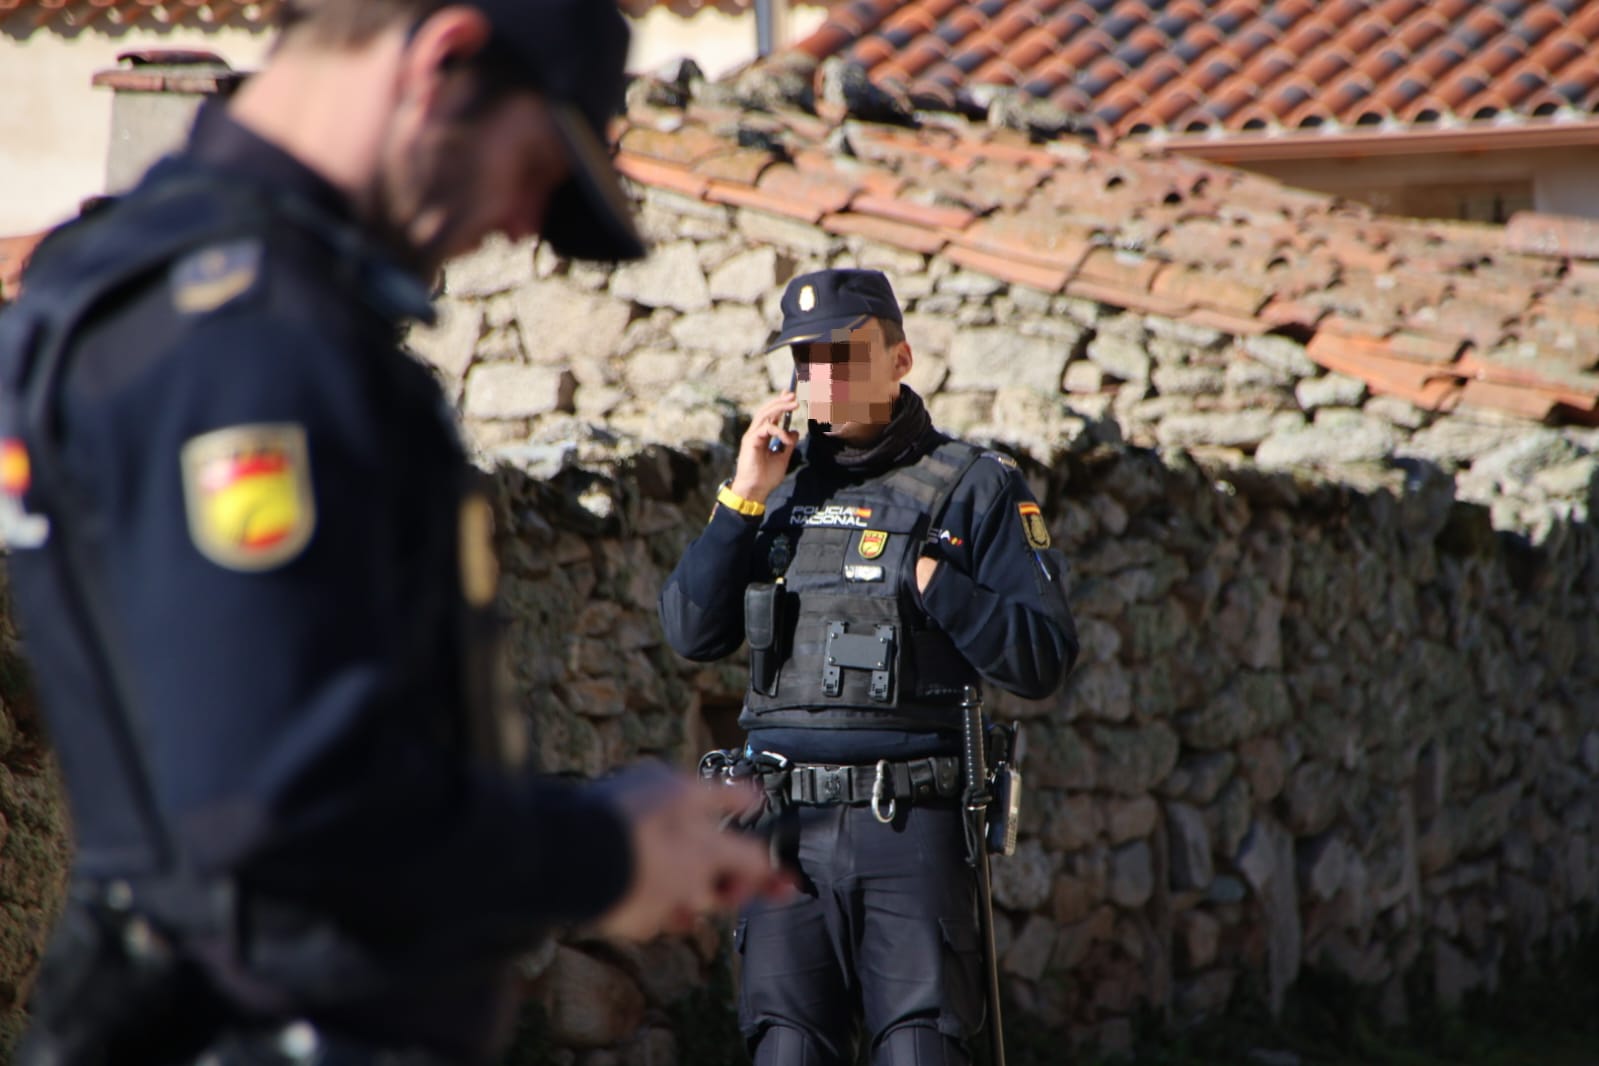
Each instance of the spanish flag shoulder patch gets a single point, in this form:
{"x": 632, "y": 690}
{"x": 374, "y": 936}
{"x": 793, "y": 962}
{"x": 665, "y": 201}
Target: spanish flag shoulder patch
{"x": 1033, "y": 526}
{"x": 247, "y": 491}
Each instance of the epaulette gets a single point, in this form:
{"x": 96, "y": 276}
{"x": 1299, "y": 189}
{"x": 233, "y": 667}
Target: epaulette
{"x": 216, "y": 275}
{"x": 1002, "y": 459}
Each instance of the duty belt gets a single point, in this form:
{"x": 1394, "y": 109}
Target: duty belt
{"x": 915, "y": 781}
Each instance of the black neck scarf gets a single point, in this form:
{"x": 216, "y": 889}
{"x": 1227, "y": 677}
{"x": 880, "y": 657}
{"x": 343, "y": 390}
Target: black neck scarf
{"x": 898, "y": 442}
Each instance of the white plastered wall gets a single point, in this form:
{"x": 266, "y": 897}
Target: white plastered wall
{"x": 55, "y": 127}
{"x": 1565, "y": 181}
{"x": 718, "y": 41}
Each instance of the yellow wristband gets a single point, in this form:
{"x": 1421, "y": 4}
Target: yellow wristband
{"x": 732, "y": 500}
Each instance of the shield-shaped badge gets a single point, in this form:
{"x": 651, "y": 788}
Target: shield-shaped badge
{"x": 872, "y": 543}
{"x": 781, "y": 554}
{"x": 247, "y": 491}
{"x": 1034, "y": 527}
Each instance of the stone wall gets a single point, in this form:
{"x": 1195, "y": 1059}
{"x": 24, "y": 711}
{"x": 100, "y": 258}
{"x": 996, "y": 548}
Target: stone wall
{"x": 1332, "y": 710}
{"x": 33, "y": 835}
{"x": 1316, "y": 723}
{"x": 538, "y": 350}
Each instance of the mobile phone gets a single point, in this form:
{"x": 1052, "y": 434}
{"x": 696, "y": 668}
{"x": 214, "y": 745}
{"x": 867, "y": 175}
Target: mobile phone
{"x": 775, "y": 445}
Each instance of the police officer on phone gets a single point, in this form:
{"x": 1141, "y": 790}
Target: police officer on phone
{"x": 877, "y": 568}
{"x": 256, "y": 576}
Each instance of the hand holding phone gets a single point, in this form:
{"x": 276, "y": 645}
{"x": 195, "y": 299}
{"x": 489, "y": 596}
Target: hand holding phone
{"x": 762, "y": 464}
{"x": 775, "y": 445}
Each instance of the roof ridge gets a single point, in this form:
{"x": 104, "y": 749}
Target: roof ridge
{"x": 1238, "y": 66}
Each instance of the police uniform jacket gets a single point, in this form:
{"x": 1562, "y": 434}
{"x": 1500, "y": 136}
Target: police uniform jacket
{"x": 249, "y": 561}
{"x": 996, "y": 606}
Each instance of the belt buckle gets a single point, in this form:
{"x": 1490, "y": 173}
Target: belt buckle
{"x": 880, "y": 791}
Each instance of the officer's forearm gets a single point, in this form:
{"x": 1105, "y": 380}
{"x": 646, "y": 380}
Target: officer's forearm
{"x": 514, "y": 852}
{"x": 702, "y": 603}
{"x": 1019, "y": 648}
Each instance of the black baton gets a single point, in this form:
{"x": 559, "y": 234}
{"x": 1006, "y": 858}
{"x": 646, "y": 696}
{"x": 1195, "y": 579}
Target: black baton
{"x": 977, "y": 852}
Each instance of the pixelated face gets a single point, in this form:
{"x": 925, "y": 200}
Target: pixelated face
{"x": 852, "y": 378}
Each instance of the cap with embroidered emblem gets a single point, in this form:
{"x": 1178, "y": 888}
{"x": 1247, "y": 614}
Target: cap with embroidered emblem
{"x": 817, "y": 305}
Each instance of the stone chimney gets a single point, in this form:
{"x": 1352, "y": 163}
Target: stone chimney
{"x": 157, "y": 92}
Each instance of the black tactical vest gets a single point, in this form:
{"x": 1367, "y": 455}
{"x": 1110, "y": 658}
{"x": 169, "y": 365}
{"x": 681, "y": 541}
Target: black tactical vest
{"x": 838, "y": 640}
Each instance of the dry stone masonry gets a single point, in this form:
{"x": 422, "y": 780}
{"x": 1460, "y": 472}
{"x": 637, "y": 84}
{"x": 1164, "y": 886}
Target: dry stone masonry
{"x": 33, "y": 835}
{"x": 1334, "y": 708}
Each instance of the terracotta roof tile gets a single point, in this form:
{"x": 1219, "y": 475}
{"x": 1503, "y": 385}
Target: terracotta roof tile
{"x": 1436, "y": 312}
{"x": 1038, "y": 239}
{"x": 1370, "y": 360}
{"x": 685, "y": 147}
{"x": 737, "y": 194}
{"x": 740, "y": 166}
{"x": 647, "y": 171}
{"x": 1482, "y": 326}
{"x": 119, "y": 15}
{"x": 1528, "y": 403}
{"x": 1559, "y": 235}
{"x": 1238, "y": 325}
{"x": 1241, "y": 64}
{"x": 1424, "y": 347}
{"x": 897, "y": 234}
{"x": 1115, "y": 295}
{"x": 1564, "y": 315}
{"x": 1532, "y": 370}
{"x": 1126, "y": 271}
{"x": 828, "y": 193}
{"x": 1207, "y": 289}
{"x": 901, "y": 210}
{"x": 1283, "y": 311}
{"x": 1049, "y": 279}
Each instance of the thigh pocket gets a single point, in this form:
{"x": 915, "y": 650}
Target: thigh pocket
{"x": 962, "y": 1005}
{"x": 736, "y": 963}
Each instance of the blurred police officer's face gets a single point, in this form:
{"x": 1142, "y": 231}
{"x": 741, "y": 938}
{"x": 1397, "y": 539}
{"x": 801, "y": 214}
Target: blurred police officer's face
{"x": 460, "y": 159}
{"x": 434, "y": 153}
{"x": 852, "y": 380}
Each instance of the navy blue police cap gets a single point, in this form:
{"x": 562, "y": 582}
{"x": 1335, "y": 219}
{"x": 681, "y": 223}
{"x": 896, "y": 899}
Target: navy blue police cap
{"x": 574, "y": 54}
{"x": 816, "y": 305}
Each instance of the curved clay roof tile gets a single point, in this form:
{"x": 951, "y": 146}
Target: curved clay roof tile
{"x": 1346, "y": 99}
{"x": 1255, "y": 117}
{"x": 1085, "y": 49}
{"x": 1326, "y": 65}
{"x": 1460, "y": 88}
{"x": 1172, "y": 104}
{"x": 1420, "y": 31}
{"x": 871, "y": 51}
{"x": 1518, "y": 87}
{"x": 920, "y": 56}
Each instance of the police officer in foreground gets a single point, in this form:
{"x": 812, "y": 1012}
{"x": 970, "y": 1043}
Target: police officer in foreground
{"x": 257, "y": 582}
{"x": 875, "y": 577}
